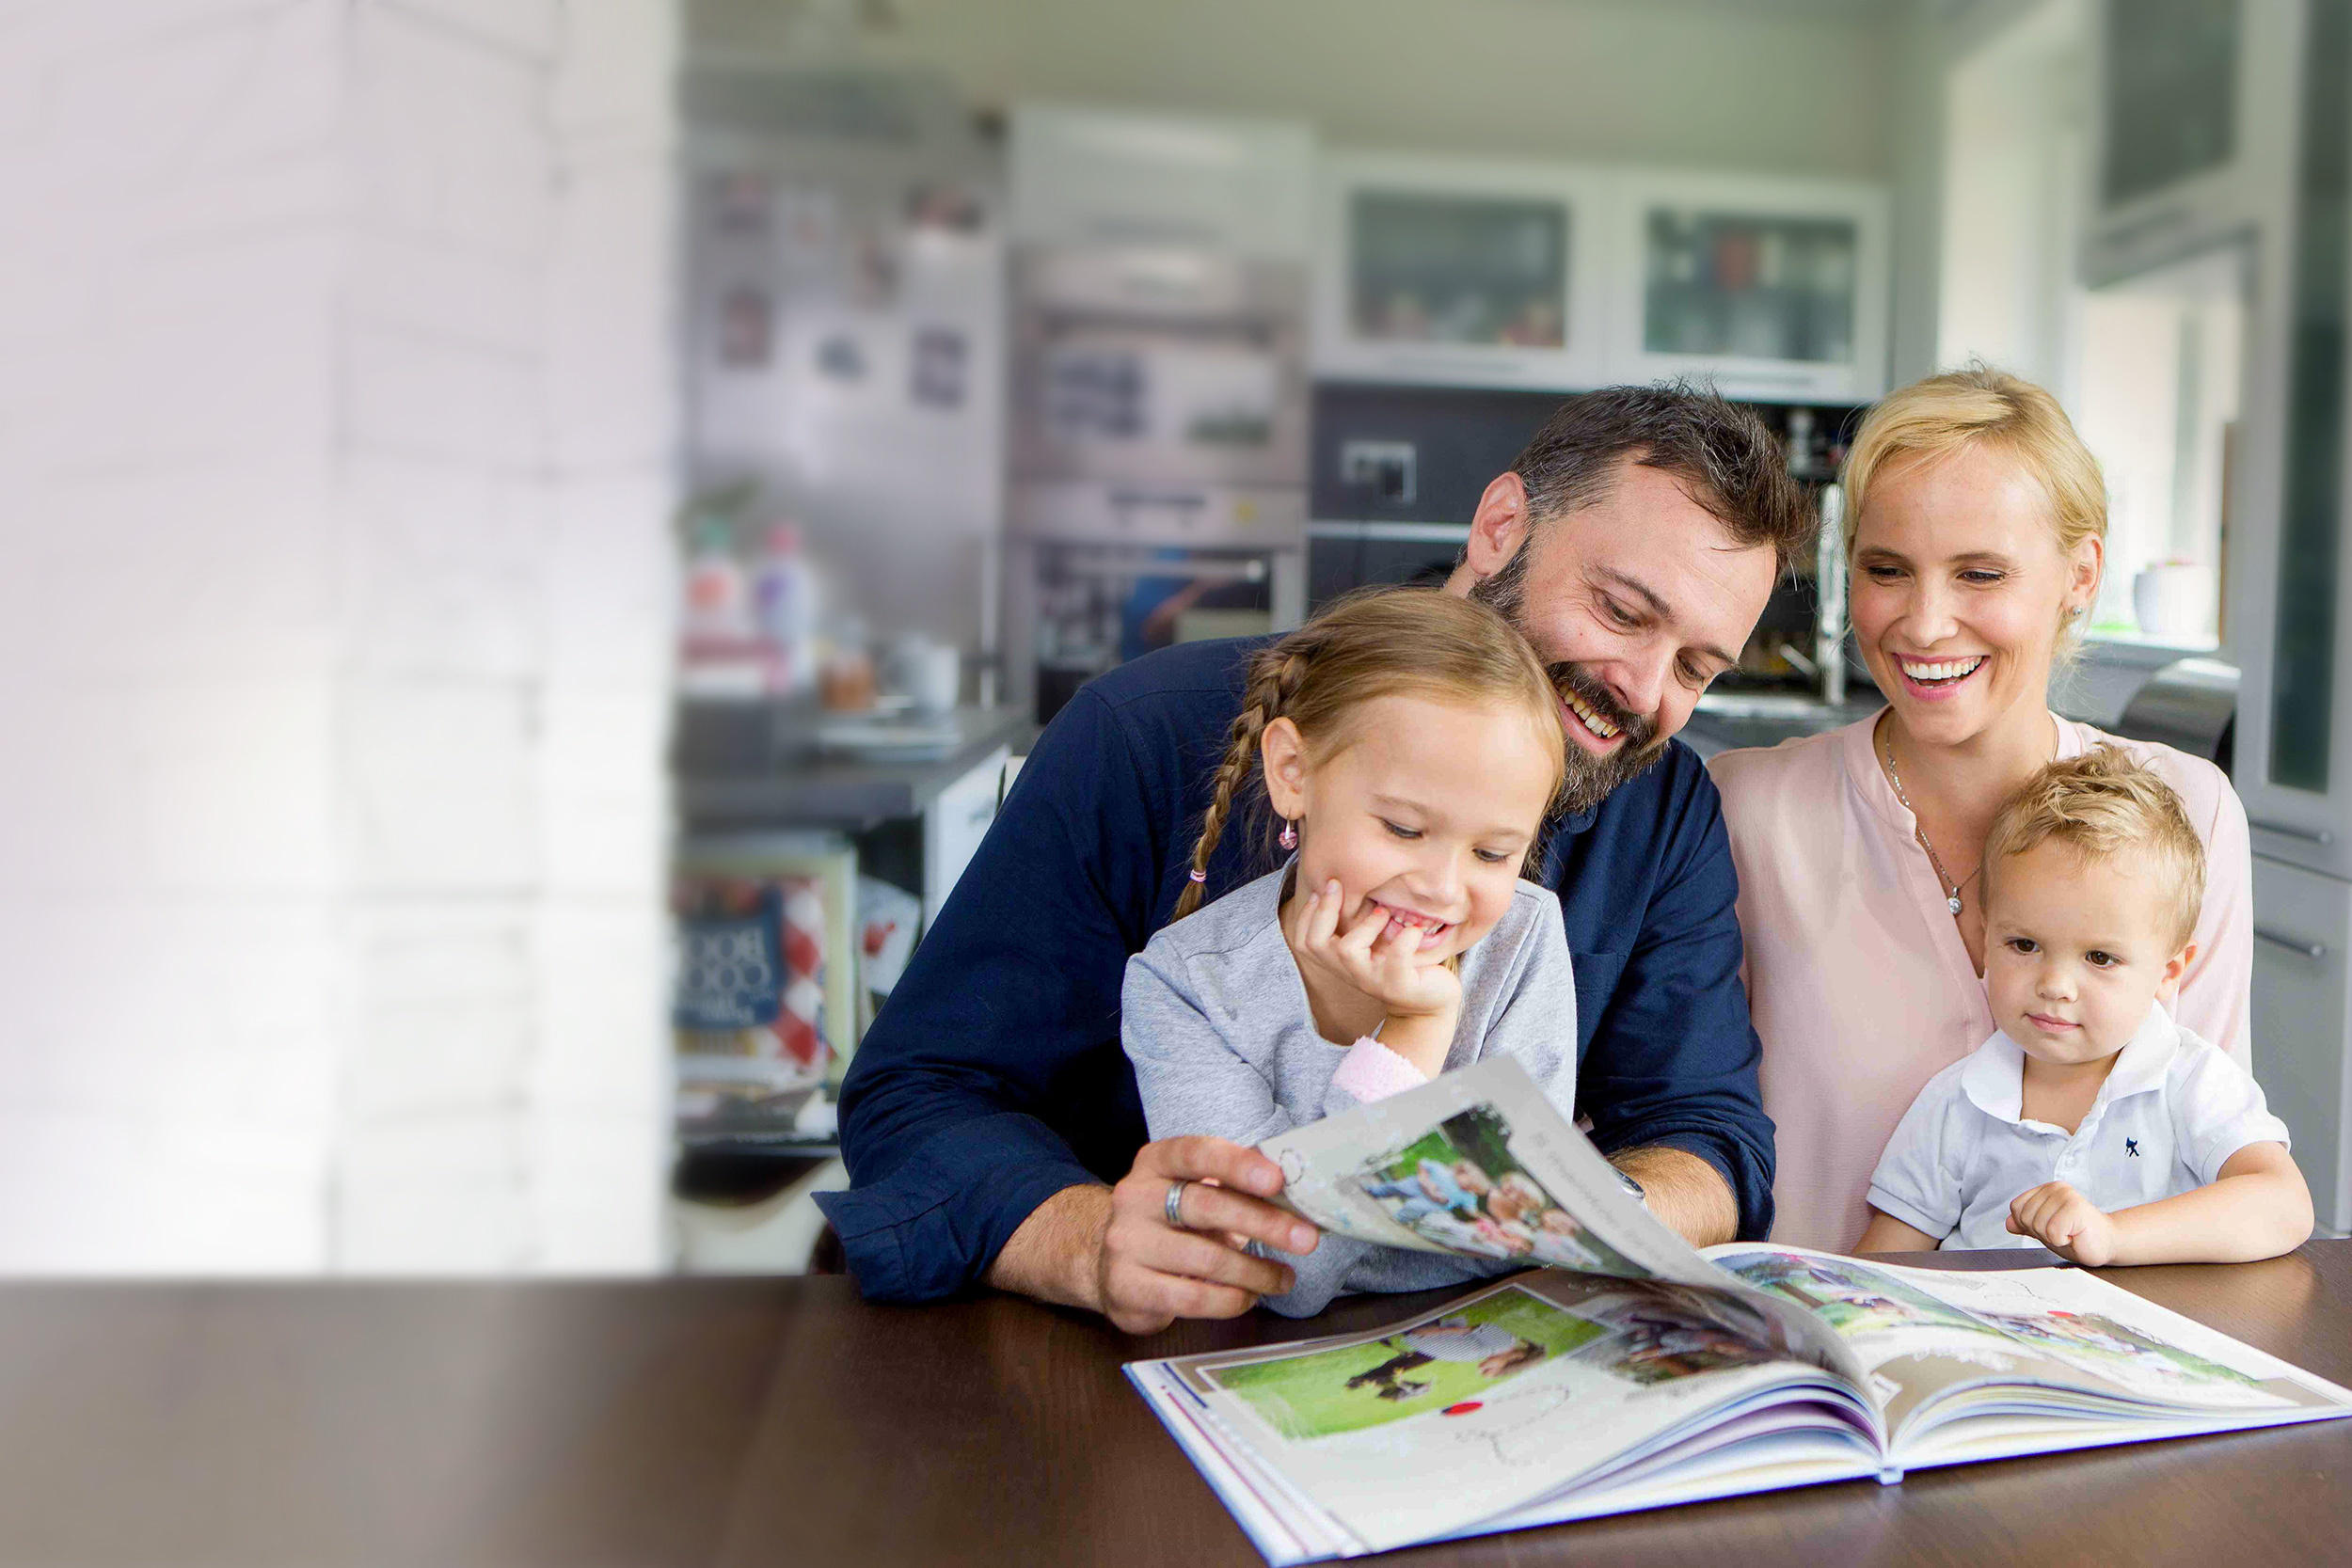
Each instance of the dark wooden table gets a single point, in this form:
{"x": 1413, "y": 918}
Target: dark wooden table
{"x": 785, "y": 1421}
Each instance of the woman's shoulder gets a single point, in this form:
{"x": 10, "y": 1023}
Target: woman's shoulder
{"x": 2206, "y": 791}
{"x": 1800, "y": 771}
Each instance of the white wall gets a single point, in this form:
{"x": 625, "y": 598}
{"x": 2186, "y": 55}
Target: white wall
{"x": 1793, "y": 89}
{"x": 335, "y": 429}
{"x": 2012, "y": 198}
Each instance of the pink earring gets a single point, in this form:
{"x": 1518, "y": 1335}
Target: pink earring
{"x": 1288, "y": 838}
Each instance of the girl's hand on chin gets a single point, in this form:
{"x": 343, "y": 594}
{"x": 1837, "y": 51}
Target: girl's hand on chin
{"x": 1367, "y": 957}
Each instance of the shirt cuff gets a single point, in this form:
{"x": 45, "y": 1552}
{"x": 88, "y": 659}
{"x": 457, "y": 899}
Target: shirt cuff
{"x": 932, "y": 1227}
{"x": 1898, "y": 1208}
{"x": 1371, "y": 1071}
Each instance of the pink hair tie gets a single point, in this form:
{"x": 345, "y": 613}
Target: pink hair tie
{"x": 1197, "y": 876}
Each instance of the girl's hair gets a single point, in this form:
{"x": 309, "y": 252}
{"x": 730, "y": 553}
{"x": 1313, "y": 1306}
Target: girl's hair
{"x": 1381, "y": 643}
{"x": 1978, "y": 405}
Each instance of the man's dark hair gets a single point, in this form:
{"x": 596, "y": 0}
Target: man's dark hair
{"x": 1721, "y": 452}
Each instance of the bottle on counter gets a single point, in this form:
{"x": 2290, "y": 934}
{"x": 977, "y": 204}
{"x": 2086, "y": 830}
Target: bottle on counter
{"x": 784, "y": 604}
{"x": 846, "y": 679}
{"x": 721, "y": 654}
{"x": 718, "y": 599}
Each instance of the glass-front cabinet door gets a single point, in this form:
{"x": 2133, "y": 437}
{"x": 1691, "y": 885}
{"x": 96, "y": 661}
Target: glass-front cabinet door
{"x": 2189, "y": 124}
{"x": 1459, "y": 272}
{"x": 1771, "y": 288}
{"x": 2290, "y": 570}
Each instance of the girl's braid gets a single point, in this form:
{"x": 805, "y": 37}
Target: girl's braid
{"x": 1275, "y": 677}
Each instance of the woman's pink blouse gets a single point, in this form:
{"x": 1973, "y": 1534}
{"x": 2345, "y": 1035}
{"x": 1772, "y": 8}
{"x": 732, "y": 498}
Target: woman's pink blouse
{"x": 1858, "y": 981}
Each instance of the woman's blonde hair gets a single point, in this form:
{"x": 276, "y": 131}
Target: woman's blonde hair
{"x": 1978, "y": 405}
{"x": 1382, "y": 643}
{"x": 2106, "y": 806}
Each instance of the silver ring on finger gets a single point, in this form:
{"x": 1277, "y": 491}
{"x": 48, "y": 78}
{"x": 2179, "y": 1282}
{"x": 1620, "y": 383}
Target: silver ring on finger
{"x": 1174, "y": 1205}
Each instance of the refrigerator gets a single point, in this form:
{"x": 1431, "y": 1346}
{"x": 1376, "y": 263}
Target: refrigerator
{"x": 2288, "y": 576}
{"x": 844, "y": 335}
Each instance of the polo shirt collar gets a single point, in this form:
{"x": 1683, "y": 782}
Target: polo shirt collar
{"x": 2146, "y": 1059}
{"x": 1994, "y": 1078}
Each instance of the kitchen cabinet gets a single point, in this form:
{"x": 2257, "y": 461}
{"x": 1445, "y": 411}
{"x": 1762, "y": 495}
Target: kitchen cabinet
{"x": 2289, "y": 575}
{"x": 2190, "y": 124}
{"x": 1773, "y": 290}
{"x": 1437, "y": 271}
{"x": 2303, "y": 1023}
{"x": 1084, "y": 178}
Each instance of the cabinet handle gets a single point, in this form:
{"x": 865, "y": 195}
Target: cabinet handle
{"x": 2312, "y": 950}
{"x": 2288, "y": 829}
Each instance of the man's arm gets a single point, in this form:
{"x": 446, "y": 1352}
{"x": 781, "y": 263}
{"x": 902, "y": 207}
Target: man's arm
{"x": 1050, "y": 1256}
{"x": 1669, "y": 1069}
{"x": 999, "y": 1052}
{"x": 1686, "y": 1192}
{"x": 1111, "y": 1250}
{"x": 1009, "y": 1006}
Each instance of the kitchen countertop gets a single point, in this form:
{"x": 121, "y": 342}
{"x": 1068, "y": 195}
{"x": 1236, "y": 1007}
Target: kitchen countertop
{"x": 747, "y": 765}
{"x": 1727, "y": 721}
{"x": 742, "y": 766}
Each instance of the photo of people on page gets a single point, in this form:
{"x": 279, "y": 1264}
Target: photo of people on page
{"x": 1458, "y": 1185}
{"x": 1447, "y": 1364}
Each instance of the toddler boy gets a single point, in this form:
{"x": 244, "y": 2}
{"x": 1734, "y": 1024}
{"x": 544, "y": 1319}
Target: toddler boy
{"x": 2090, "y": 1123}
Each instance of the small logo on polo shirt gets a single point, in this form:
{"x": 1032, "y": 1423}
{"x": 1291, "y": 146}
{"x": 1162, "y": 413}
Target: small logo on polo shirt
{"x": 2131, "y": 1147}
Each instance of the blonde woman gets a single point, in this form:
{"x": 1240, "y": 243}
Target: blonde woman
{"x": 1975, "y": 552}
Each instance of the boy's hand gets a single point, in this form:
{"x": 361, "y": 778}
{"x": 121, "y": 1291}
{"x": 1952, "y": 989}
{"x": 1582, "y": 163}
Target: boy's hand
{"x": 1387, "y": 966}
{"x": 2066, "y": 1222}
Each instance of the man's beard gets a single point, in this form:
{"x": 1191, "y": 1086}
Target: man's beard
{"x": 1589, "y": 779}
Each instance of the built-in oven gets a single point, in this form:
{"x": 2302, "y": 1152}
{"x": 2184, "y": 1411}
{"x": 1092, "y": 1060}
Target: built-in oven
{"x": 1157, "y": 366}
{"x": 1159, "y": 442}
{"x": 1396, "y": 473}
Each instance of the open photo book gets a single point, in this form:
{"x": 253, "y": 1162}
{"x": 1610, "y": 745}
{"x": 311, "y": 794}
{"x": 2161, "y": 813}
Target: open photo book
{"x": 1634, "y": 1371}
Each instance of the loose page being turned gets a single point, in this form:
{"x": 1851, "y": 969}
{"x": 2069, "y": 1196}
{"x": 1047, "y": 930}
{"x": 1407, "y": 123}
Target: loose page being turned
{"x": 1480, "y": 1165}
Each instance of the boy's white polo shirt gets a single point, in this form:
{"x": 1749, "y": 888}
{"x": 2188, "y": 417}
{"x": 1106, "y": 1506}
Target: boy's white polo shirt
{"x": 2169, "y": 1116}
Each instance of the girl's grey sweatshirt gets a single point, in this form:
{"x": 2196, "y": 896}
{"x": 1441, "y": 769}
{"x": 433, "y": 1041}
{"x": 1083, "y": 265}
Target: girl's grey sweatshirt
{"x": 1214, "y": 1016}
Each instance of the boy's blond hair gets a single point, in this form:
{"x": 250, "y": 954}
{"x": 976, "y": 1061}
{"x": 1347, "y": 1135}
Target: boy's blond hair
{"x": 2103, "y": 804}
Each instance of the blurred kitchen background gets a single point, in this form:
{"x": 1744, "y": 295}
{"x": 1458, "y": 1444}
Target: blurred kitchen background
{"x": 538, "y": 531}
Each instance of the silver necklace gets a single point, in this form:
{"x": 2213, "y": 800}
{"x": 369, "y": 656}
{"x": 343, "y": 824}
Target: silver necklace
{"x": 1943, "y": 878}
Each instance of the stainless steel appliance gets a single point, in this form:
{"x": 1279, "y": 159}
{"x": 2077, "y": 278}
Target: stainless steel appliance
{"x": 2191, "y": 706}
{"x": 1159, "y": 441}
{"x": 1397, "y": 472}
{"x": 844, "y": 349}
{"x": 2280, "y": 182}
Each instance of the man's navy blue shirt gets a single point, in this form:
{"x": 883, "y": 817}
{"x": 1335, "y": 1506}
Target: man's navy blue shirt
{"x": 994, "y": 1078}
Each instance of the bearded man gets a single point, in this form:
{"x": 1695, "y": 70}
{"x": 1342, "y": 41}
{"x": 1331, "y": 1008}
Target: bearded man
{"x": 990, "y": 1119}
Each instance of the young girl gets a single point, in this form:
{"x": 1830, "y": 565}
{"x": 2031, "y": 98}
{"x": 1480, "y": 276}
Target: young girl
{"x": 1408, "y": 742}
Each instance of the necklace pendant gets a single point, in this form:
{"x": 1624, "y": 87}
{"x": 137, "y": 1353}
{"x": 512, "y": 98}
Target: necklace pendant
{"x": 1952, "y": 903}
